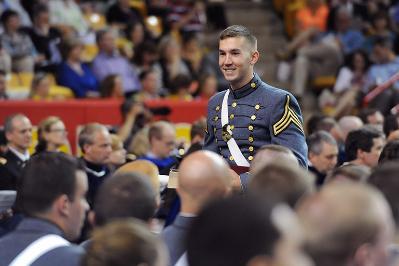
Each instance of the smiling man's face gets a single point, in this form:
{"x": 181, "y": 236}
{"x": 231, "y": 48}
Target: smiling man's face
{"x": 236, "y": 60}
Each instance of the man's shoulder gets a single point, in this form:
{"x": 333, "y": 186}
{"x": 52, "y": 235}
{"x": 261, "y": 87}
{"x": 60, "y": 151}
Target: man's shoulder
{"x": 216, "y": 98}
{"x": 274, "y": 92}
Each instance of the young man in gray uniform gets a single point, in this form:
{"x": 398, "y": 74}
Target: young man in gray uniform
{"x": 250, "y": 113}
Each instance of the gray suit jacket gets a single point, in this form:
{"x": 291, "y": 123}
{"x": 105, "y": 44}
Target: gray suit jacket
{"x": 175, "y": 237}
{"x": 31, "y": 229}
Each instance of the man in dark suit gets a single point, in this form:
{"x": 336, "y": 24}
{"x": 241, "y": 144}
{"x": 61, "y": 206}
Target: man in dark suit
{"x": 203, "y": 176}
{"x": 95, "y": 143}
{"x": 18, "y": 132}
{"x": 52, "y": 196}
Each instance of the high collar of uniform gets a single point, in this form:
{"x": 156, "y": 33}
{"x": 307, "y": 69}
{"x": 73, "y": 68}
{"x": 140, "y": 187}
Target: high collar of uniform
{"x": 247, "y": 89}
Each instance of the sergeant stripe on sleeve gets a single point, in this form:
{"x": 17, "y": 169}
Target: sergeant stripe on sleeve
{"x": 288, "y": 117}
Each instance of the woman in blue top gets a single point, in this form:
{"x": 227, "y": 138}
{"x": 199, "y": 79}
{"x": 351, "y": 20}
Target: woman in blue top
{"x": 72, "y": 73}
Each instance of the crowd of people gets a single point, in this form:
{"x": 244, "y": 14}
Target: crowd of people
{"x": 318, "y": 193}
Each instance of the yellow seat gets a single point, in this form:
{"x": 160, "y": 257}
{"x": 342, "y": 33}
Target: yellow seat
{"x": 323, "y": 82}
{"x": 62, "y": 91}
{"x": 19, "y": 80}
{"x": 89, "y": 52}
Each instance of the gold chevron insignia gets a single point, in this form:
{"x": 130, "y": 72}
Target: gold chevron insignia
{"x": 288, "y": 117}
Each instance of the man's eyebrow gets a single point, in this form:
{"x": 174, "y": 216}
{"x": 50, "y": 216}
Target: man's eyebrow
{"x": 231, "y": 50}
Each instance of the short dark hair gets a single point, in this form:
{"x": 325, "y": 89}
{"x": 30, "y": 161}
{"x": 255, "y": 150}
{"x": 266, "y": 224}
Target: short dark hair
{"x": 181, "y": 81}
{"x": 214, "y": 240}
{"x": 100, "y": 34}
{"x": 125, "y": 195}
{"x": 366, "y": 112}
{"x": 47, "y": 176}
{"x": 362, "y": 139}
{"x": 315, "y": 141}
{"x": 145, "y": 73}
{"x": 38, "y": 9}
{"x": 198, "y": 128}
{"x": 238, "y": 31}
{"x": 67, "y": 45}
{"x": 7, "y": 15}
{"x": 389, "y": 152}
{"x": 385, "y": 178}
{"x": 281, "y": 183}
{"x": 390, "y": 124}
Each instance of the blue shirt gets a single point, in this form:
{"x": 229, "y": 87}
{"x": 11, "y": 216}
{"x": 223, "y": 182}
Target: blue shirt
{"x": 79, "y": 84}
{"x": 104, "y": 65}
{"x": 380, "y": 73}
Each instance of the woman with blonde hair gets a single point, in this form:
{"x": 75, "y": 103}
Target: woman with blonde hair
{"x": 51, "y": 135}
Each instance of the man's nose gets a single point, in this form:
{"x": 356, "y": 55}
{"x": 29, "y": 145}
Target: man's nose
{"x": 227, "y": 60}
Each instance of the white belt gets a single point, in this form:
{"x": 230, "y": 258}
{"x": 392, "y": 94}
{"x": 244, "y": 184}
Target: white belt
{"x": 231, "y": 143}
{"x": 38, "y": 248}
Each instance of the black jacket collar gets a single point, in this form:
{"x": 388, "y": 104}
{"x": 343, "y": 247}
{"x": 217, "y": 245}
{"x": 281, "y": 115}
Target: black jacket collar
{"x": 247, "y": 88}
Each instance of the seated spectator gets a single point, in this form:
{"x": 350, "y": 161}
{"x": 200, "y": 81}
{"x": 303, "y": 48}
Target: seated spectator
{"x": 40, "y": 87}
{"x": 51, "y": 135}
{"x": 364, "y": 146}
{"x": 203, "y": 177}
{"x": 123, "y": 243}
{"x": 280, "y": 182}
{"x": 135, "y": 34}
{"x": 207, "y": 87}
{"x": 67, "y": 16}
{"x": 192, "y": 53}
{"x": 325, "y": 56}
{"x": 252, "y": 238}
{"x": 171, "y": 62}
{"x": 111, "y": 87}
{"x": 19, "y": 7}
{"x": 350, "y": 82}
{"x": 117, "y": 156}
{"x": 52, "y": 196}
{"x": 347, "y": 224}
{"x": 162, "y": 139}
{"x": 3, "y": 86}
{"x": 145, "y": 57}
{"x": 390, "y": 152}
{"x": 386, "y": 65}
{"x": 74, "y": 74}
{"x": 186, "y": 17}
{"x": 322, "y": 154}
{"x": 17, "y": 44}
{"x": 180, "y": 88}
{"x": 45, "y": 39}
{"x": 108, "y": 62}
{"x": 379, "y": 28}
{"x": 310, "y": 22}
{"x": 121, "y": 14}
{"x": 149, "y": 86}
{"x": 349, "y": 172}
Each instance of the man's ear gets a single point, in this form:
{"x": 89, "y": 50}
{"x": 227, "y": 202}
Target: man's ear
{"x": 91, "y": 217}
{"x": 62, "y": 205}
{"x": 254, "y": 57}
{"x": 363, "y": 255}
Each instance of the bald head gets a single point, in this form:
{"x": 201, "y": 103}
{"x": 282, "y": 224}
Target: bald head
{"x": 272, "y": 153}
{"x": 203, "y": 176}
{"x": 347, "y": 224}
{"x": 349, "y": 123}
